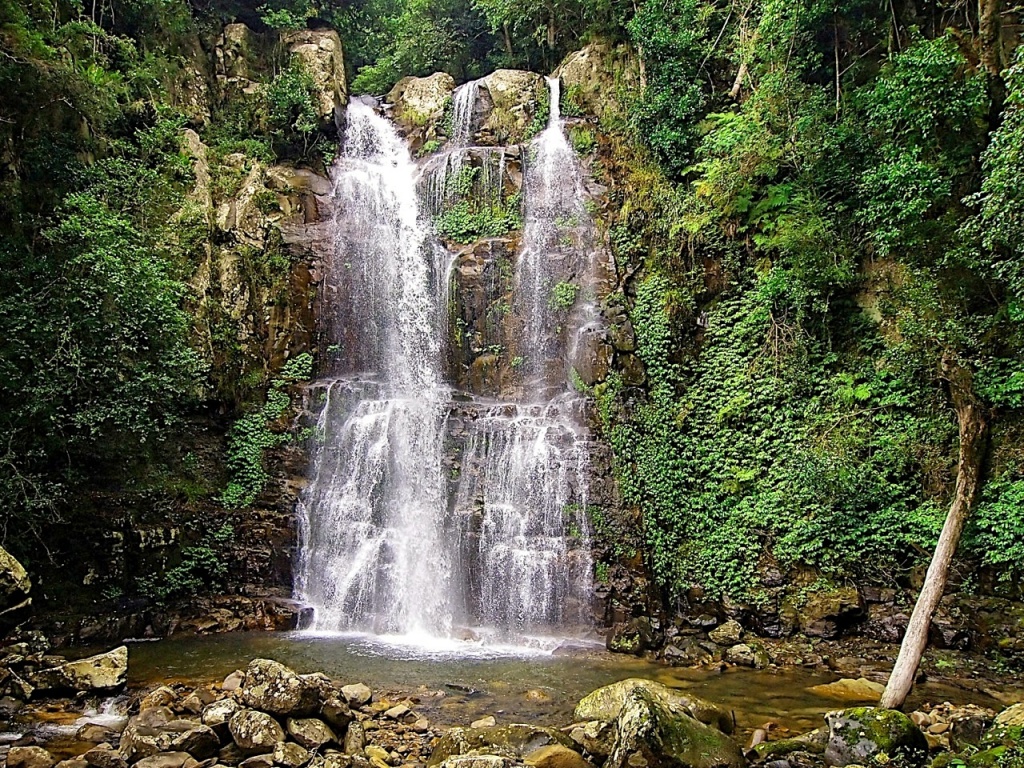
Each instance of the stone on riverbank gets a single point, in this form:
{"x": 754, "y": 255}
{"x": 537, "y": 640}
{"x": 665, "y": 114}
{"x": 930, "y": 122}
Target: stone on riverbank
{"x": 606, "y": 703}
{"x": 514, "y": 741}
{"x": 102, "y": 672}
{"x": 270, "y": 686}
{"x": 310, "y": 732}
{"x": 861, "y": 735}
{"x": 29, "y": 757}
{"x": 651, "y": 733}
{"x": 729, "y": 633}
{"x": 845, "y": 688}
{"x": 255, "y": 731}
{"x": 557, "y": 756}
{"x": 357, "y": 694}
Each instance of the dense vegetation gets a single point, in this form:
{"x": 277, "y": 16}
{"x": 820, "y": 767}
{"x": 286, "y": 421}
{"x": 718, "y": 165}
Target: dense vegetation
{"x": 818, "y": 206}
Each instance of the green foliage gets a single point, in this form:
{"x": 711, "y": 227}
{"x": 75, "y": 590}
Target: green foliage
{"x": 472, "y": 212}
{"x": 583, "y": 140}
{"x": 202, "y": 569}
{"x": 259, "y": 431}
{"x": 563, "y": 296}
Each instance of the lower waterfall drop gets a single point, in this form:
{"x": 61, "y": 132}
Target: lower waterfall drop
{"x": 373, "y": 552}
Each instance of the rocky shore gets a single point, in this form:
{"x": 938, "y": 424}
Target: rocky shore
{"x": 269, "y": 716}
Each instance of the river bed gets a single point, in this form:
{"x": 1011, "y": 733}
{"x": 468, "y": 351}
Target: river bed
{"x": 456, "y": 682}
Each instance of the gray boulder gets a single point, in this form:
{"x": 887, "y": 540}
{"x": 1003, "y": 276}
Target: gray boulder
{"x": 29, "y": 757}
{"x": 310, "y": 732}
{"x": 865, "y": 735}
{"x": 357, "y": 694}
{"x": 156, "y": 730}
{"x": 102, "y": 672}
{"x": 168, "y": 760}
{"x": 290, "y": 755}
{"x": 272, "y": 687}
{"x": 729, "y": 633}
{"x": 105, "y": 756}
{"x": 255, "y": 731}
{"x": 512, "y": 741}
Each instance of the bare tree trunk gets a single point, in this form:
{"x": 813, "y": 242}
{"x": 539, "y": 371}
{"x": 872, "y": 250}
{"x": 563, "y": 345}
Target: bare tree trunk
{"x": 990, "y": 36}
{"x": 508, "y": 40}
{"x": 973, "y": 428}
{"x": 737, "y": 84}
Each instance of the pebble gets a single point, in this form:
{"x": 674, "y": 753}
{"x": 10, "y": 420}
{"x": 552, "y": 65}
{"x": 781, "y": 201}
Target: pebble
{"x": 484, "y": 722}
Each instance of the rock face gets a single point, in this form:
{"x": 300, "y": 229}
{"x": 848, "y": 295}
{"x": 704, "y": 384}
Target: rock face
{"x": 419, "y": 100}
{"x": 649, "y": 733}
{"x": 321, "y": 56}
{"x": 103, "y": 672}
{"x": 14, "y": 590}
{"x": 861, "y": 735}
{"x": 607, "y": 703}
{"x": 272, "y": 687}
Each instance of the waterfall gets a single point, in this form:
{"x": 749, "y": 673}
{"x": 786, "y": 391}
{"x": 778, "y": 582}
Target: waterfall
{"x": 373, "y": 552}
{"x": 557, "y": 239}
{"x": 431, "y": 513}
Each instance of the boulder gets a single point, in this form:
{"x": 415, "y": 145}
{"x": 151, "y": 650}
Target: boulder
{"x": 650, "y": 733}
{"x": 863, "y": 735}
{"x": 168, "y": 760}
{"x": 484, "y": 722}
{"x": 357, "y": 694}
{"x": 846, "y": 688}
{"x": 310, "y": 732}
{"x": 515, "y": 95}
{"x": 73, "y": 762}
{"x": 103, "y": 672}
{"x": 272, "y": 687}
{"x": 320, "y": 54}
{"x": 29, "y": 757}
{"x": 255, "y": 731}
{"x": 105, "y": 756}
{"x": 94, "y": 733}
{"x": 825, "y": 614}
{"x": 556, "y": 756}
{"x": 729, "y": 633}
{"x": 633, "y": 637}
{"x": 593, "y": 77}
{"x": 162, "y": 696}
{"x": 511, "y": 741}
{"x": 1007, "y": 730}
{"x": 15, "y": 586}
{"x": 287, "y": 754}
{"x": 606, "y": 703}
{"x": 155, "y": 730}
{"x": 218, "y": 714}
{"x": 419, "y": 99}
{"x": 258, "y": 761}
{"x": 478, "y": 761}
{"x": 596, "y": 737}
{"x": 355, "y": 739}
{"x": 337, "y": 714}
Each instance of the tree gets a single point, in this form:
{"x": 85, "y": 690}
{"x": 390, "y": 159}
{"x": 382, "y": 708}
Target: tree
{"x": 973, "y": 428}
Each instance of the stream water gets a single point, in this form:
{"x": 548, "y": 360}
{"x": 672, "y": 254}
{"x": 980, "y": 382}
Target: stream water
{"x": 456, "y": 682}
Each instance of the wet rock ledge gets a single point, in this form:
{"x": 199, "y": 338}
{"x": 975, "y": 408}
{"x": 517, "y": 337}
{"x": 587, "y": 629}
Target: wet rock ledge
{"x": 269, "y": 716}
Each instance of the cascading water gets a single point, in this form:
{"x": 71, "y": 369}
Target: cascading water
{"x": 557, "y": 239}
{"x": 394, "y": 537}
{"x": 374, "y": 554}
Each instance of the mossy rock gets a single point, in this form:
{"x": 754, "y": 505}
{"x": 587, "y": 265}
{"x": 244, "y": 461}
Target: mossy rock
{"x": 653, "y": 735}
{"x": 863, "y": 735}
{"x": 997, "y": 757}
{"x": 606, "y": 703}
{"x": 770, "y": 750}
{"x": 1001, "y": 734}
